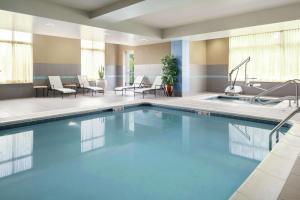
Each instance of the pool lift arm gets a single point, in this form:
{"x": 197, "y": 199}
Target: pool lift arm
{"x": 232, "y": 89}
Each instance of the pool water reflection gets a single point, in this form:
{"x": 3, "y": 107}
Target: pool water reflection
{"x": 141, "y": 153}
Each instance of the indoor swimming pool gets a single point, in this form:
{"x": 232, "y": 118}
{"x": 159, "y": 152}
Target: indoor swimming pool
{"x": 143, "y": 152}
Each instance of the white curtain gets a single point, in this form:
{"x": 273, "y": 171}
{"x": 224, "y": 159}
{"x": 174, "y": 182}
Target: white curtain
{"x": 92, "y": 58}
{"x": 5, "y": 62}
{"x": 291, "y": 55}
{"x": 16, "y": 63}
{"x": 22, "y": 63}
{"x": 274, "y": 55}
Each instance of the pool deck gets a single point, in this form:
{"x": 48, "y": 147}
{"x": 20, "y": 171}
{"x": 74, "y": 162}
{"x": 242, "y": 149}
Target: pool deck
{"x": 274, "y": 177}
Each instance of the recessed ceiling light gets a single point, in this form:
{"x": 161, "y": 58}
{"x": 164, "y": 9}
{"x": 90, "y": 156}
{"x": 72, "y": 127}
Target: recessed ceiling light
{"x": 49, "y": 24}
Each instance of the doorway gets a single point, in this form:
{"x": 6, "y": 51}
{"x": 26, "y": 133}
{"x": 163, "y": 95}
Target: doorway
{"x": 128, "y": 68}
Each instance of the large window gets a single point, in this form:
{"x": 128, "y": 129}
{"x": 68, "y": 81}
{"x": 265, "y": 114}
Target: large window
{"x": 92, "y": 58}
{"x": 275, "y": 56}
{"x": 15, "y": 57}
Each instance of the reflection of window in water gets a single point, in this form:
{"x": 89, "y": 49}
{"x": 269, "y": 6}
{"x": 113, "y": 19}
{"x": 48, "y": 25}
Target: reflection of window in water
{"x": 128, "y": 123}
{"x": 16, "y": 153}
{"x": 247, "y": 141}
{"x": 92, "y": 134}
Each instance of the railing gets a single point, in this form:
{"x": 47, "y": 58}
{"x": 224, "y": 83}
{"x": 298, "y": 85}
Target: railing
{"x": 277, "y": 87}
{"x": 276, "y": 128}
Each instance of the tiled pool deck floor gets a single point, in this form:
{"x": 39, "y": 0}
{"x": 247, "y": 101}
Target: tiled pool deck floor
{"x": 267, "y": 180}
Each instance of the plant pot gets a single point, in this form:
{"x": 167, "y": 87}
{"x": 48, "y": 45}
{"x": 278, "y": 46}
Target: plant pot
{"x": 101, "y": 83}
{"x": 169, "y": 90}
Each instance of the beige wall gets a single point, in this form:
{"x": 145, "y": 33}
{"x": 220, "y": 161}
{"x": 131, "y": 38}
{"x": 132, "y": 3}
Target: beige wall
{"x": 151, "y": 54}
{"x": 122, "y": 49}
{"x": 217, "y": 51}
{"x": 111, "y": 54}
{"x": 198, "y": 52}
{"x": 54, "y": 50}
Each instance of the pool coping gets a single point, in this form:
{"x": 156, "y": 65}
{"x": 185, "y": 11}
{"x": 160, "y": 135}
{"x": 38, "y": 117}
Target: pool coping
{"x": 265, "y": 182}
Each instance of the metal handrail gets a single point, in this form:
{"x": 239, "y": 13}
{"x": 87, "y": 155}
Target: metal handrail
{"x": 276, "y": 128}
{"x": 290, "y": 98}
{"x": 277, "y": 87}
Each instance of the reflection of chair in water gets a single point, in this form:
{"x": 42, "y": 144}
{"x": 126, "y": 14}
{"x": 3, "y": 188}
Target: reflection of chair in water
{"x": 92, "y": 134}
{"x": 16, "y": 153}
{"x": 247, "y": 141}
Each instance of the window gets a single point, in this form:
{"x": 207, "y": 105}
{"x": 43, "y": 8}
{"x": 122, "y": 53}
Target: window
{"x": 92, "y": 58}
{"x": 274, "y": 55}
{"x": 15, "y": 57}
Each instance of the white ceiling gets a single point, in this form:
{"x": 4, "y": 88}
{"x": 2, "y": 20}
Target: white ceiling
{"x": 200, "y": 10}
{"x": 136, "y": 22}
{"x": 86, "y": 5}
{"x": 44, "y": 26}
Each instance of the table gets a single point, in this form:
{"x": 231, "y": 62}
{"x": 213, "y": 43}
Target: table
{"x": 43, "y": 87}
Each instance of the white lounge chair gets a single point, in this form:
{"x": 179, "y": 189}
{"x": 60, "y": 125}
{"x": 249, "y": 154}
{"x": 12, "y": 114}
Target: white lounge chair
{"x": 136, "y": 84}
{"x": 156, "y": 85}
{"x": 56, "y": 85}
{"x": 84, "y": 84}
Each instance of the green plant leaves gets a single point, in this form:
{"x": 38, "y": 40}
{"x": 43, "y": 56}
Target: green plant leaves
{"x": 169, "y": 69}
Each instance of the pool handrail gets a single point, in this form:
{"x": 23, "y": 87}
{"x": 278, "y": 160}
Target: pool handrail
{"x": 277, "y": 87}
{"x": 278, "y": 126}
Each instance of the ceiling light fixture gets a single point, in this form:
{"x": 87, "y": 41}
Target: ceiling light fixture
{"x": 49, "y": 24}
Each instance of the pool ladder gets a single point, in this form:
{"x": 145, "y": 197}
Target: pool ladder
{"x": 276, "y": 128}
{"x": 277, "y": 87}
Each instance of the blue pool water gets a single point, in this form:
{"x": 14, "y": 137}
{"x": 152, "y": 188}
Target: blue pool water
{"x": 141, "y": 153}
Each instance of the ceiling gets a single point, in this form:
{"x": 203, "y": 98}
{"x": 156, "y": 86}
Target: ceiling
{"x": 201, "y": 10}
{"x": 136, "y": 22}
{"x": 86, "y": 5}
{"x": 45, "y": 26}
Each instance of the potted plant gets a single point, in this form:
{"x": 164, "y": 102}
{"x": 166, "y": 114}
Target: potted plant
{"x": 169, "y": 73}
{"x": 101, "y": 82}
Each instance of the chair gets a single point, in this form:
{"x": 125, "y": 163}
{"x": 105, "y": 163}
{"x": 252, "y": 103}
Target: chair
{"x": 56, "y": 85}
{"x": 84, "y": 84}
{"x": 136, "y": 84}
{"x": 156, "y": 85}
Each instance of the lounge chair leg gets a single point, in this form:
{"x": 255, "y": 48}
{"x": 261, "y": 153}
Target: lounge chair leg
{"x": 143, "y": 95}
{"x": 62, "y": 95}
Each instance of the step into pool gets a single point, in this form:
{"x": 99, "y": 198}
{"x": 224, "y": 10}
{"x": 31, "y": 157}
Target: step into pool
{"x": 143, "y": 152}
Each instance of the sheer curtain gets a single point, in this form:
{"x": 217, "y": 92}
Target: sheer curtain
{"x": 291, "y": 55}
{"x": 92, "y": 58}
{"x": 16, "y": 63}
{"x": 274, "y": 55}
{"x": 264, "y": 50}
{"x": 22, "y": 63}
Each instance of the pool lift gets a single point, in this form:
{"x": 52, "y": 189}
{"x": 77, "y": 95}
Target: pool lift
{"x": 234, "y": 90}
